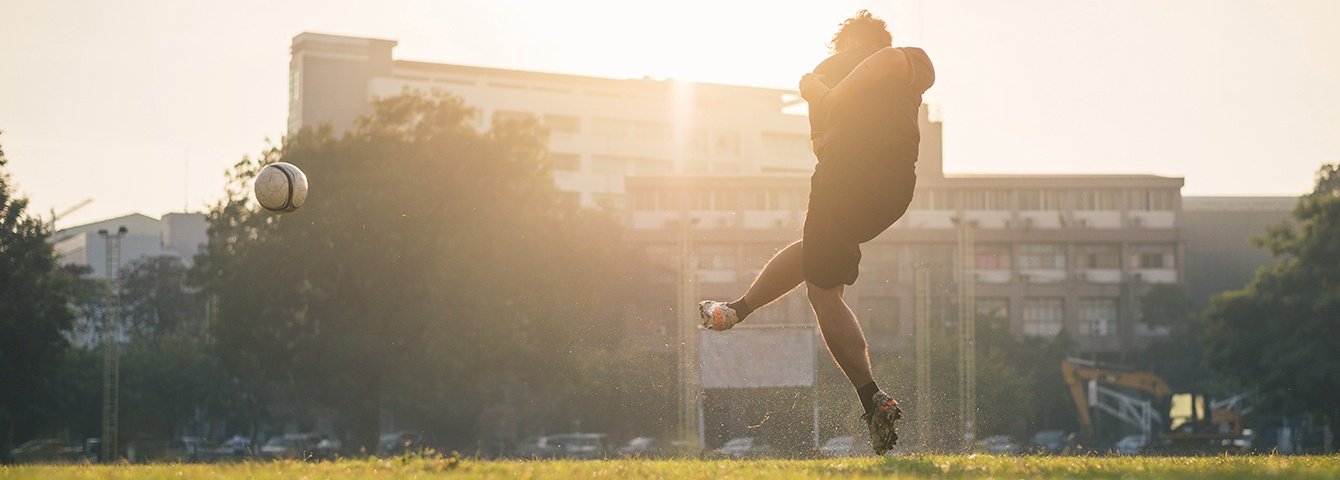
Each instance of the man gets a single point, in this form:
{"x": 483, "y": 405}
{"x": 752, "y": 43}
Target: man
{"x": 863, "y": 103}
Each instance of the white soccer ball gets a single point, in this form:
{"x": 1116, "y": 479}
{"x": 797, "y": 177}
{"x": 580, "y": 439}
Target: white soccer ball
{"x": 281, "y": 187}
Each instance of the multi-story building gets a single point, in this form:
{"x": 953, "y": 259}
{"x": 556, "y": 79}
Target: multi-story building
{"x": 602, "y": 131}
{"x": 1217, "y": 232}
{"x": 180, "y": 235}
{"x": 1052, "y": 252}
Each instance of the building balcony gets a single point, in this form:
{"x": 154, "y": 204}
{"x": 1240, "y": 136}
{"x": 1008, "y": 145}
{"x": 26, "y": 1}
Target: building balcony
{"x": 1039, "y": 275}
{"x": 1099, "y": 219}
{"x": 1154, "y": 275}
{"x": 1099, "y": 275}
{"x": 993, "y": 275}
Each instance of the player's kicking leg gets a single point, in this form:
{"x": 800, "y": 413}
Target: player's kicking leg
{"x": 781, "y": 274}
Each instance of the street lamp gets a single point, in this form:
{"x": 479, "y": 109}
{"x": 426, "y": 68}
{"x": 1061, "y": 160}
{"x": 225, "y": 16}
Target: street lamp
{"x": 110, "y": 357}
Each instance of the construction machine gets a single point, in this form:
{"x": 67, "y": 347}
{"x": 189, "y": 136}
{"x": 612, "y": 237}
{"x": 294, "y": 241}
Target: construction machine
{"x": 1181, "y": 422}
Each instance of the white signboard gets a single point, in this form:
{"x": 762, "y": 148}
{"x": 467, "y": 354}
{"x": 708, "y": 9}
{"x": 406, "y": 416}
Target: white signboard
{"x": 764, "y": 356}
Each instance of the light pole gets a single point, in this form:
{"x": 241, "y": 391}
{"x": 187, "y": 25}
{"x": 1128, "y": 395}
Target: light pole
{"x": 111, "y": 369}
{"x": 687, "y": 321}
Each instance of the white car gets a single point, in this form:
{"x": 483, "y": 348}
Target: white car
{"x": 836, "y": 447}
{"x": 1130, "y": 445}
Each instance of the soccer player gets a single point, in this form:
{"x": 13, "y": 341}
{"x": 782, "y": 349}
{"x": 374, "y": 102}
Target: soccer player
{"x": 863, "y": 104}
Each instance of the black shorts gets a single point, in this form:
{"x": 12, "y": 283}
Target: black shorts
{"x": 853, "y": 198}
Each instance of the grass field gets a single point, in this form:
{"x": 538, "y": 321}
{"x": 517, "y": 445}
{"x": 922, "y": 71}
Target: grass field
{"x": 933, "y": 466}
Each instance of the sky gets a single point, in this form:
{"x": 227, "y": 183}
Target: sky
{"x": 142, "y": 105}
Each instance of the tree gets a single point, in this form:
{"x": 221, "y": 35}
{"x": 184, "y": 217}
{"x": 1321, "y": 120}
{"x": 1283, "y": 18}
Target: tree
{"x": 155, "y": 300}
{"x": 434, "y": 270}
{"x": 1279, "y": 335}
{"x": 33, "y": 313}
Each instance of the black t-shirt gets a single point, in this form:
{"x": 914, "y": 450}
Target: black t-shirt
{"x": 880, "y": 123}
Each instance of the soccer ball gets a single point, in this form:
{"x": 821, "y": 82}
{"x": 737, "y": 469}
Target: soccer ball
{"x": 281, "y": 187}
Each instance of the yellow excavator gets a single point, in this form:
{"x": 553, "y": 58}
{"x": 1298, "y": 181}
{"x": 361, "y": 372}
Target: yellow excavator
{"x": 1183, "y": 422}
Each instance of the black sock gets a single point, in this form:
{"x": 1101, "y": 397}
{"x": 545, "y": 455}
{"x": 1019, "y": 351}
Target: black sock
{"x": 741, "y": 309}
{"x": 867, "y": 394}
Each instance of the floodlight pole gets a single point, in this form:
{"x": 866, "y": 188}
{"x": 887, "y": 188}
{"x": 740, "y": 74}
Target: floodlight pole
{"x": 967, "y": 333}
{"x": 111, "y": 368}
{"x": 690, "y": 391}
{"x": 921, "y": 280}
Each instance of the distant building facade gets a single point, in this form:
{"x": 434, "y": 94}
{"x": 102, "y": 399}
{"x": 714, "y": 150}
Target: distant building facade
{"x": 602, "y": 130}
{"x": 180, "y": 235}
{"x": 1218, "y": 233}
{"x": 1052, "y": 252}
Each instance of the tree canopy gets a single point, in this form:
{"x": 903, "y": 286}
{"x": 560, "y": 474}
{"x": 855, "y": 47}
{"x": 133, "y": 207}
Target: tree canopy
{"x": 33, "y": 314}
{"x": 434, "y": 270}
{"x": 1281, "y": 333}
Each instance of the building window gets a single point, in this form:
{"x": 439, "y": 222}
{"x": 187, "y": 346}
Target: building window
{"x": 993, "y": 257}
{"x": 569, "y": 124}
{"x": 1040, "y": 200}
{"x": 786, "y": 200}
{"x": 608, "y": 127}
{"x": 1098, "y": 317}
{"x": 994, "y": 310}
{"x": 1151, "y": 200}
{"x": 651, "y": 131}
{"x": 653, "y": 166}
{"x": 611, "y": 201}
{"x": 785, "y": 144}
{"x": 1043, "y": 317}
{"x": 1096, "y": 200}
{"x": 726, "y": 142}
{"x": 715, "y": 257}
{"x": 609, "y": 165}
{"x": 1043, "y": 256}
{"x": 668, "y": 199}
{"x": 567, "y": 162}
{"x": 880, "y": 315}
{"x": 1152, "y": 256}
{"x": 995, "y": 200}
{"x": 935, "y": 200}
{"x": 509, "y": 116}
{"x": 1098, "y": 256}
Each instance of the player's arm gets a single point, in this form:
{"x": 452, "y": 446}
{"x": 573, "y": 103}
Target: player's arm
{"x": 818, "y": 120}
{"x": 888, "y": 66}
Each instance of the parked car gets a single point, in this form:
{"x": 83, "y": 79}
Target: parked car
{"x": 742, "y": 447}
{"x": 844, "y": 446}
{"x": 1050, "y": 442}
{"x": 1130, "y": 445}
{"x": 642, "y": 447}
{"x": 648, "y": 447}
{"x": 45, "y": 450}
{"x": 399, "y": 443}
{"x": 189, "y": 449}
{"x": 291, "y": 445}
{"x": 572, "y": 445}
{"x": 997, "y": 445}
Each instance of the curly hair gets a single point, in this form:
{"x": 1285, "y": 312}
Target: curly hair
{"x": 865, "y": 27}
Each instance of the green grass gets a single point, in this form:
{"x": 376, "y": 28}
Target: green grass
{"x": 929, "y": 466}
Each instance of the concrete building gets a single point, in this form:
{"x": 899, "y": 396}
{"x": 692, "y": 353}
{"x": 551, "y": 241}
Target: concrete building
{"x": 1218, "y": 232}
{"x": 180, "y": 235}
{"x": 1052, "y": 251}
{"x": 601, "y": 130}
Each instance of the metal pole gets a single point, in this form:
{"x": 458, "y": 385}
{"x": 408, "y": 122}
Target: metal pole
{"x": 687, "y": 321}
{"x": 921, "y": 280}
{"x": 111, "y": 359}
{"x": 967, "y": 334}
